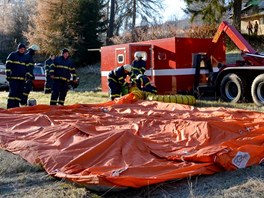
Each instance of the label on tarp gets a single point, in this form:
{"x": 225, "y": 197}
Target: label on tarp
{"x": 241, "y": 159}
{"x": 117, "y": 172}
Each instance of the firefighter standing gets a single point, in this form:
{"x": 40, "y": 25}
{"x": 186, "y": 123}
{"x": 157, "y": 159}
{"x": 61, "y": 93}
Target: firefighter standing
{"x": 117, "y": 80}
{"x": 138, "y": 65}
{"x": 16, "y": 70}
{"x": 143, "y": 83}
{"x": 30, "y": 75}
{"x": 61, "y": 71}
{"x": 49, "y": 81}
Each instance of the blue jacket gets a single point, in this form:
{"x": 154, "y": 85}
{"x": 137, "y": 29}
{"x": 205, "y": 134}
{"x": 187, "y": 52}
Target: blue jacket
{"x": 138, "y": 67}
{"x": 144, "y": 84}
{"x": 48, "y": 64}
{"x": 118, "y": 75}
{"x": 16, "y": 66}
{"x": 62, "y": 69}
{"x": 30, "y": 65}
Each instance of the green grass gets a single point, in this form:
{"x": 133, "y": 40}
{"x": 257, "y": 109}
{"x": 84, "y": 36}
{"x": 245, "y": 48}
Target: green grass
{"x": 73, "y": 97}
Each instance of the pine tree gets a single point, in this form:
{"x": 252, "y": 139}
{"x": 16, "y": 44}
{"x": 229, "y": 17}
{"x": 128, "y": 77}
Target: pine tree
{"x": 212, "y": 11}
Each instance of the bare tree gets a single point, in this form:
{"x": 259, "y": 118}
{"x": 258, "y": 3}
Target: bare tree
{"x": 128, "y": 12}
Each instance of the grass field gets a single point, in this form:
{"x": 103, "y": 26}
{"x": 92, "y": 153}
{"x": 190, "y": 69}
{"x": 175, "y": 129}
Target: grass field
{"x": 20, "y": 179}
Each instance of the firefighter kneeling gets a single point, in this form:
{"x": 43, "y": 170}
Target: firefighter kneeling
{"x": 117, "y": 81}
{"x": 144, "y": 84}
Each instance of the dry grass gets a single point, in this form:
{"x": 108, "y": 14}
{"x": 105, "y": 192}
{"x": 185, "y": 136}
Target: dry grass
{"x": 20, "y": 179}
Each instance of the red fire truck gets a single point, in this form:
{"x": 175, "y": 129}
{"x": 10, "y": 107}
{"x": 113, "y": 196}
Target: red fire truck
{"x": 194, "y": 66}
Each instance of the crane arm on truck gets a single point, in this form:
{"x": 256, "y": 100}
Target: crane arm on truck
{"x": 235, "y": 36}
{"x": 250, "y": 55}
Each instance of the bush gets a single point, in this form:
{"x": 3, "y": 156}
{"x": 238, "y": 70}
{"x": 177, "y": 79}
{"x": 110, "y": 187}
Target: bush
{"x": 203, "y": 31}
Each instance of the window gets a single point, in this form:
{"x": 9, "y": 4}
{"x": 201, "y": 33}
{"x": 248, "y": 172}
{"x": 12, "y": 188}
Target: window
{"x": 162, "y": 56}
{"x": 120, "y": 58}
{"x": 38, "y": 71}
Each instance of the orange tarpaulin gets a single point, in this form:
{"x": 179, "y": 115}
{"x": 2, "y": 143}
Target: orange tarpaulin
{"x": 133, "y": 144}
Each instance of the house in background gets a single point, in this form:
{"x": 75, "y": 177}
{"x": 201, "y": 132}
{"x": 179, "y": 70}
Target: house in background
{"x": 252, "y": 10}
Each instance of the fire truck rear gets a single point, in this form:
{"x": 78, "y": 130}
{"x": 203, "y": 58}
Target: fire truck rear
{"x": 195, "y": 66}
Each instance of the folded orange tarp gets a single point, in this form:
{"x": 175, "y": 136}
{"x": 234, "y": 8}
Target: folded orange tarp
{"x": 133, "y": 144}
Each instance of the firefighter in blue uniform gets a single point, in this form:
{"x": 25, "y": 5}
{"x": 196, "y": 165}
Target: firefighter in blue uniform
{"x": 143, "y": 83}
{"x": 28, "y": 86}
{"x": 16, "y": 71}
{"x": 117, "y": 80}
{"x": 49, "y": 81}
{"x": 61, "y": 71}
{"x": 138, "y": 65}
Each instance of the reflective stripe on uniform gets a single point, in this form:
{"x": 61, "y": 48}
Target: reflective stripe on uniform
{"x": 62, "y": 78}
{"x": 114, "y": 95}
{"x": 110, "y": 78}
{"x": 148, "y": 83}
{"x": 135, "y": 68}
{"x": 61, "y": 66}
{"x": 14, "y": 98}
{"x": 15, "y": 62}
{"x": 29, "y": 64}
{"x": 17, "y": 78}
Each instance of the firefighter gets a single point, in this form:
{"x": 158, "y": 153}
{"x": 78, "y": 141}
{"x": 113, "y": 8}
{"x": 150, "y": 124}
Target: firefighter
{"x": 16, "y": 70}
{"x": 117, "y": 79}
{"x": 49, "y": 81}
{"x": 30, "y": 75}
{"x": 61, "y": 71}
{"x": 138, "y": 65}
{"x": 144, "y": 84}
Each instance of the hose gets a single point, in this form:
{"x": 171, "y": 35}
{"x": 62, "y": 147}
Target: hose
{"x": 180, "y": 99}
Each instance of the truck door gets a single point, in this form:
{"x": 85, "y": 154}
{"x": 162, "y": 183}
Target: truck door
{"x": 120, "y": 54}
{"x": 146, "y": 50}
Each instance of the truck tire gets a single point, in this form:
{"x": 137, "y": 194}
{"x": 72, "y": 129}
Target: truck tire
{"x": 232, "y": 88}
{"x": 257, "y": 90}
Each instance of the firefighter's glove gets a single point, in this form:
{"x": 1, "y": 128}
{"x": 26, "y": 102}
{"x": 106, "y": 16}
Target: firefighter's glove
{"x": 127, "y": 79}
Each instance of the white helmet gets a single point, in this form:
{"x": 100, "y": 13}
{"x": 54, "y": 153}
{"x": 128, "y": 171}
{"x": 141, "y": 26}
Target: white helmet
{"x": 127, "y": 67}
{"x": 34, "y": 47}
{"x": 138, "y": 55}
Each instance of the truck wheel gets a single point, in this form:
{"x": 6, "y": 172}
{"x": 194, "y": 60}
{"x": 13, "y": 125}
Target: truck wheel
{"x": 232, "y": 88}
{"x": 257, "y": 90}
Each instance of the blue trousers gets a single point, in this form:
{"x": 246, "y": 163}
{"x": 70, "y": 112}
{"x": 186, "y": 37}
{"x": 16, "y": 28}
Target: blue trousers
{"x": 59, "y": 92}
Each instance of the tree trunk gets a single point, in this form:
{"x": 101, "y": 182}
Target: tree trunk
{"x": 110, "y": 30}
{"x": 134, "y": 11}
{"x": 237, "y": 14}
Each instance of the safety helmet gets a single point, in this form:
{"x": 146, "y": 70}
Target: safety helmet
{"x": 138, "y": 55}
{"x": 140, "y": 76}
{"x": 127, "y": 67}
{"x": 34, "y": 47}
{"x": 21, "y": 45}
